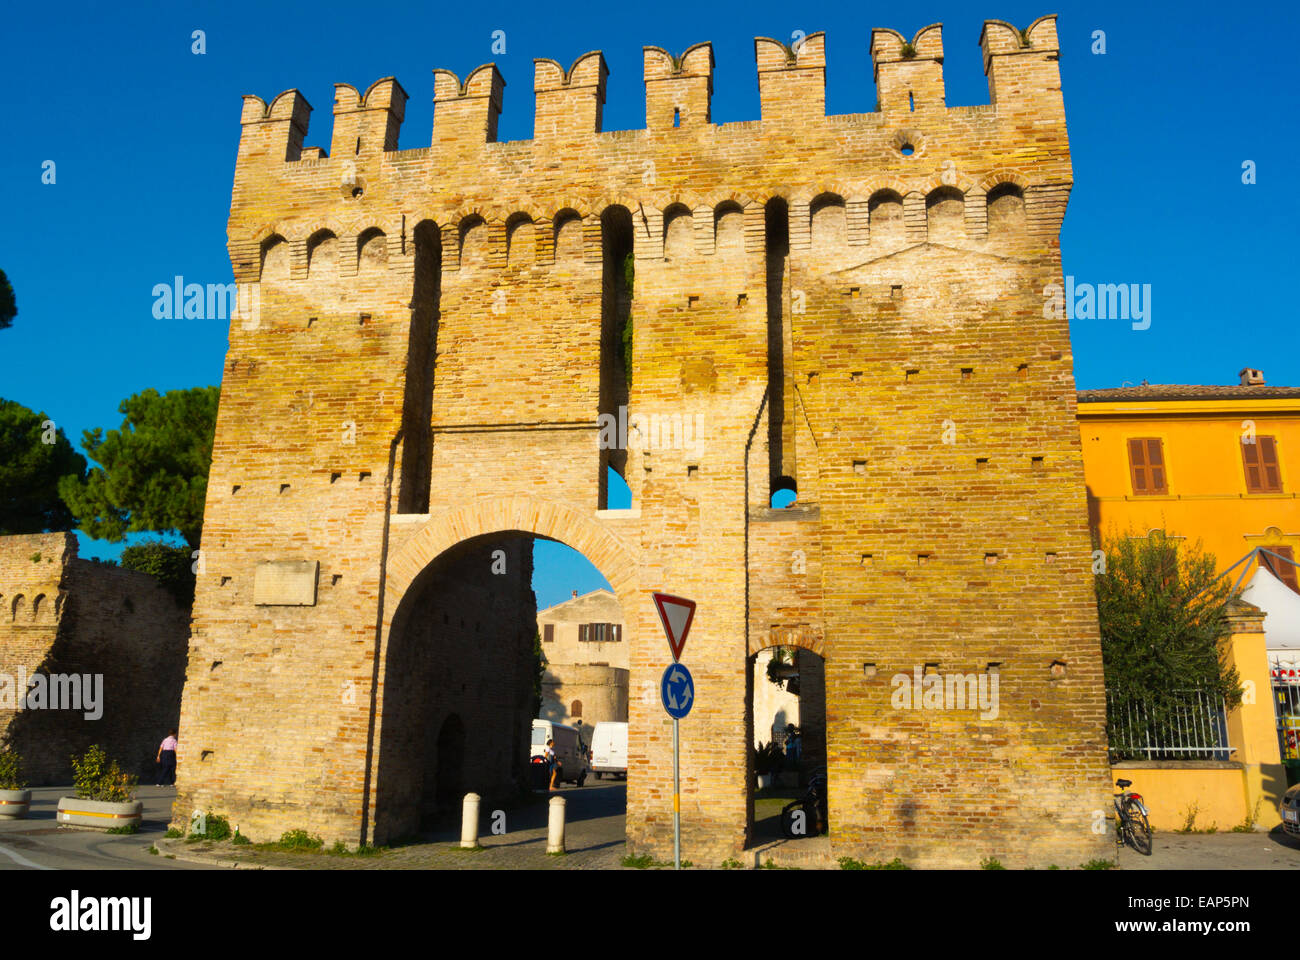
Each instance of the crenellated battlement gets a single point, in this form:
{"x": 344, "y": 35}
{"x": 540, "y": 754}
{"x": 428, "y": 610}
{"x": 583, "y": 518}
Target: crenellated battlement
{"x": 1021, "y": 69}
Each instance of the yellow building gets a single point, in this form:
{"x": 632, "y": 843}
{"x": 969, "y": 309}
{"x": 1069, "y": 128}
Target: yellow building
{"x": 1219, "y": 464}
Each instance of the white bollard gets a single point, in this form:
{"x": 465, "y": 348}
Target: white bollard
{"x": 555, "y": 826}
{"x": 469, "y": 822}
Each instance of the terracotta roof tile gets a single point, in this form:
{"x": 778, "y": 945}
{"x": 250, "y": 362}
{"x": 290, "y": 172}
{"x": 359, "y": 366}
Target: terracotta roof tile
{"x": 1183, "y": 391}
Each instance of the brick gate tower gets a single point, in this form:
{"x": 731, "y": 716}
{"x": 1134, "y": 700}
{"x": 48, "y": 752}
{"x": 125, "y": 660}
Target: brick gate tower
{"x": 445, "y": 350}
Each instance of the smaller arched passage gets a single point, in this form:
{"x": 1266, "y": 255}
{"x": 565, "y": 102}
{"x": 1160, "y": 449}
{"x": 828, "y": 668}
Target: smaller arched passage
{"x": 785, "y": 724}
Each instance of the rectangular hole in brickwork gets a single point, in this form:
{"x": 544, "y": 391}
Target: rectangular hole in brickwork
{"x": 866, "y": 561}
{"x": 692, "y": 471}
{"x": 856, "y": 376}
{"x": 896, "y": 292}
{"x": 812, "y": 378}
{"x": 216, "y": 666}
{"x": 224, "y": 581}
{"x": 742, "y": 299}
{"x": 910, "y": 375}
{"x": 334, "y": 477}
{"x": 310, "y": 321}
{"x": 869, "y": 671}
{"x": 1049, "y": 557}
{"x": 931, "y": 669}
{"x": 1022, "y": 371}
{"x": 981, "y": 463}
{"x": 860, "y": 467}
{"x": 335, "y": 579}
{"x": 692, "y": 300}
{"x": 853, "y": 292}
{"x": 967, "y": 372}
{"x": 993, "y": 666}
{"x": 990, "y": 558}
{"x": 284, "y": 488}
{"x": 234, "y": 490}
{"x": 363, "y": 319}
{"x": 207, "y": 755}
{"x": 924, "y": 557}
{"x": 363, "y": 476}
{"x": 1036, "y": 463}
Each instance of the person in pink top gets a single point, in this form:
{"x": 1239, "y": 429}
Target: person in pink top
{"x": 167, "y": 759}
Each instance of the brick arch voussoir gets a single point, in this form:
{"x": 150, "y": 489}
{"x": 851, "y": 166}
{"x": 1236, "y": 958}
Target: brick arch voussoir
{"x": 543, "y": 518}
{"x": 812, "y": 641}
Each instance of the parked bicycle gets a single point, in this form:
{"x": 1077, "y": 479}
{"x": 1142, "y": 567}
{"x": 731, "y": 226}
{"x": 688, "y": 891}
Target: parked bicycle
{"x": 813, "y": 807}
{"x": 1131, "y": 824}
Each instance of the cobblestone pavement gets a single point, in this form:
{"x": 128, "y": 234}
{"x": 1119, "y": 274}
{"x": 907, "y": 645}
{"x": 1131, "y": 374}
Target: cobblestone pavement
{"x": 594, "y": 840}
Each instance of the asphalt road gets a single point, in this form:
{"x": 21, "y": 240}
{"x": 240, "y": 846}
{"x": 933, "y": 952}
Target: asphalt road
{"x": 39, "y": 843}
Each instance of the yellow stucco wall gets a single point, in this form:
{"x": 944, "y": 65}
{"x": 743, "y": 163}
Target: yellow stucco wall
{"x": 1205, "y": 475}
{"x": 1215, "y": 792}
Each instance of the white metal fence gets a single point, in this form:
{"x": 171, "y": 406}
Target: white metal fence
{"x": 1184, "y": 725}
{"x": 1286, "y": 705}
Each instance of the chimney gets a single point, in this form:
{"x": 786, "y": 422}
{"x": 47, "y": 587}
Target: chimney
{"x": 1251, "y": 377}
{"x": 575, "y": 592}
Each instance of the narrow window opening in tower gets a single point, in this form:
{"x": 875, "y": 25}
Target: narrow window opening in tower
{"x": 417, "y": 404}
{"x": 617, "y": 278}
{"x": 677, "y": 117}
{"x": 358, "y": 145}
{"x": 911, "y": 102}
{"x": 780, "y": 399}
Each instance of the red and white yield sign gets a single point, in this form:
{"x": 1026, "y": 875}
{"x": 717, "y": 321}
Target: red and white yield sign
{"x": 676, "y": 614}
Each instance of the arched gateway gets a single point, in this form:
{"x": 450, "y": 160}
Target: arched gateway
{"x": 442, "y": 352}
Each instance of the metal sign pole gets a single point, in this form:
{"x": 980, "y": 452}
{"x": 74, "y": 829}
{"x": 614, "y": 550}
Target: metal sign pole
{"x": 677, "y": 806}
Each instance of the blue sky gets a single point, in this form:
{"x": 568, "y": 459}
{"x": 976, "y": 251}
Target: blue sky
{"x": 143, "y": 133}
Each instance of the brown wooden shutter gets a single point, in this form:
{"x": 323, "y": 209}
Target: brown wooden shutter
{"x": 1250, "y": 458}
{"x": 1286, "y": 572}
{"x": 1268, "y": 465}
{"x": 1147, "y": 465}
{"x": 548, "y": 633}
{"x": 582, "y": 633}
{"x": 618, "y": 632}
{"x": 1156, "y": 465}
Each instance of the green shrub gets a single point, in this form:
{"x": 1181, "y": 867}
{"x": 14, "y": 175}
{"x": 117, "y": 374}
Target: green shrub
{"x": 731, "y": 863}
{"x": 173, "y": 834}
{"x": 300, "y": 840}
{"x": 172, "y": 567}
{"x": 849, "y": 863}
{"x": 239, "y": 838}
{"x": 98, "y": 778}
{"x": 128, "y": 828}
{"x": 1097, "y": 865}
{"x": 991, "y": 863}
{"x": 11, "y": 771}
{"x": 214, "y": 827}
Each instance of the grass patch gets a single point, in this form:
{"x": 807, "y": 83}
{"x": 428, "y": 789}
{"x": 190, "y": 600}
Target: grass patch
{"x": 643, "y": 862}
{"x": 152, "y": 851}
{"x": 1098, "y": 865}
{"x": 731, "y": 863}
{"x": 173, "y": 834}
{"x": 127, "y": 829}
{"x": 991, "y": 863}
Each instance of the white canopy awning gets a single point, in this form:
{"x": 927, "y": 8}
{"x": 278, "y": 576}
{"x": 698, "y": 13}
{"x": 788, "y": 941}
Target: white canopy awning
{"x": 1282, "y": 606}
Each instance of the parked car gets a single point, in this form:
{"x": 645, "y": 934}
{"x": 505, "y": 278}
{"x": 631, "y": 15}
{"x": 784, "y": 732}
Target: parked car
{"x": 570, "y": 750}
{"x": 609, "y": 749}
{"x": 1289, "y": 808}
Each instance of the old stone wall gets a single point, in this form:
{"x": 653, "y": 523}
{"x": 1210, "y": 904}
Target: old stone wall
{"x": 118, "y": 633}
{"x": 847, "y": 306}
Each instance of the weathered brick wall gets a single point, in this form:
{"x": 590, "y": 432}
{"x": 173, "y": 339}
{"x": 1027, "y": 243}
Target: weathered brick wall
{"x": 91, "y": 619}
{"x": 818, "y": 298}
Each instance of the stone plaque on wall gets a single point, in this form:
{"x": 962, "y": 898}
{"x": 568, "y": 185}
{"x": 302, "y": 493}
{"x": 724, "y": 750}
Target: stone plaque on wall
{"x": 287, "y": 583}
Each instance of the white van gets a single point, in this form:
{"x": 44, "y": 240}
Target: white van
{"x": 609, "y": 749}
{"x": 570, "y": 750}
